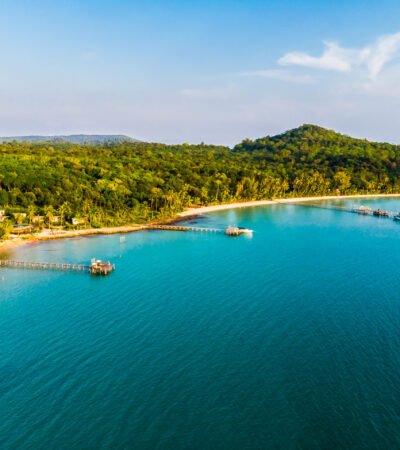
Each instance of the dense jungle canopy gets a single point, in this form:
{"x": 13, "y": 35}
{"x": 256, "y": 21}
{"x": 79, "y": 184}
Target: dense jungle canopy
{"x": 119, "y": 183}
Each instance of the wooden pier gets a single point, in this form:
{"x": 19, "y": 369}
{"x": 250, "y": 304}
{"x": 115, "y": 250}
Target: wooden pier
{"x": 44, "y": 266}
{"x": 230, "y": 231}
{"x": 362, "y": 210}
{"x": 330, "y": 207}
{"x": 185, "y": 228}
{"x": 96, "y": 267}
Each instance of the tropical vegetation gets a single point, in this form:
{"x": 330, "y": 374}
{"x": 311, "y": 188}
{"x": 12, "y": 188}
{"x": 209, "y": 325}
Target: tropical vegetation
{"x": 120, "y": 183}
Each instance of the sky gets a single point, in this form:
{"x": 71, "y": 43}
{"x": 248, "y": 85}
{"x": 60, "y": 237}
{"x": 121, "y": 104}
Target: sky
{"x": 211, "y": 71}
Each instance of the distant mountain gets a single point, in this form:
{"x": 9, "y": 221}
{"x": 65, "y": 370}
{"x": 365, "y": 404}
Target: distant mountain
{"x": 73, "y": 139}
{"x": 314, "y": 134}
{"x": 310, "y": 138}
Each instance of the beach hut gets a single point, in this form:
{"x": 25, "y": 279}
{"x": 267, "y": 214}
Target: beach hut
{"x": 78, "y": 221}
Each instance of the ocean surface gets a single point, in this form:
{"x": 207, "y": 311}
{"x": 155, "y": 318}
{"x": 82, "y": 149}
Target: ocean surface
{"x": 289, "y": 339}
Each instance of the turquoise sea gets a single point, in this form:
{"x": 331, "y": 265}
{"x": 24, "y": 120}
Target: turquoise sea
{"x": 286, "y": 340}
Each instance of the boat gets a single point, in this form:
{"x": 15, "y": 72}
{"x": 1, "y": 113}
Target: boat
{"x": 397, "y": 217}
{"x": 236, "y": 231}
{"x": 244, "y": 230}
{"x": 380, "y": 213}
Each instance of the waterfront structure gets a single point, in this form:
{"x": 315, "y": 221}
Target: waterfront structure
{"x": 78, "y": 221}
{"x": 363, "y": 210}
{"x": 237, "y": 231}
{"x": 21, "y": 229}
{"x": 97, "y": 267}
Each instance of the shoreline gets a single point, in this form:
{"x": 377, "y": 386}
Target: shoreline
{"x": 193, "y": 212}
{"x": 47, "y": 236}
{"x": 9, "y": 244}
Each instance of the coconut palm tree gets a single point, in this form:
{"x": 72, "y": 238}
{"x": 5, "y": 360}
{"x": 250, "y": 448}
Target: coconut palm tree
{"x": 64, "y": 209}
{"x": 31, "y": 213}
{"x": 49, "y": 214}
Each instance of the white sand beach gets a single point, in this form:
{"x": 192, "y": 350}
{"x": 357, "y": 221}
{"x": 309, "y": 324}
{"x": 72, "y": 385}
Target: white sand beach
{"x": 207, "y": 209}
{"x": 47, "y": 235}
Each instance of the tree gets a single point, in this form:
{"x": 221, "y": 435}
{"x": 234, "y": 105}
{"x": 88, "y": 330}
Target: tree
{"x": 5, "y": 229}
{"x": 342, "y": 181}
{"x": 65, "y": 209}
{"x": 130, "y": 182}
{"x": 31, "y": 213}
{"x": 49, "y": 215}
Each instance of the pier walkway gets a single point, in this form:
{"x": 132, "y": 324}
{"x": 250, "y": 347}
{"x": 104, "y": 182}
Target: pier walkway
{"x": 185, "y": 228}
{"x": 365, "y": 211}
{"x": 44, "y": 266}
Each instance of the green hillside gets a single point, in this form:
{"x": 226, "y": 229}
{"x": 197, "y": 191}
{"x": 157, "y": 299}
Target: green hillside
{"x": 117, "y": 183}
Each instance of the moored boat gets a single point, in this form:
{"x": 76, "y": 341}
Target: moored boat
{"x": 381, "y": 213}
{"x": 236, "y": 231}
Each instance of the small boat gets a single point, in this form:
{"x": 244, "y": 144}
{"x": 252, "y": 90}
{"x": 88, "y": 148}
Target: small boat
{"x": 236, "y": 231}
{"x": 381, "y": 213}
{"x": 244, "y": 230}
{"x": 397, "y": 217}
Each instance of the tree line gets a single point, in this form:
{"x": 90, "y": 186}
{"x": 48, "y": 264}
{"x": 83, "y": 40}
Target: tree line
{"x": 116, "y": 184}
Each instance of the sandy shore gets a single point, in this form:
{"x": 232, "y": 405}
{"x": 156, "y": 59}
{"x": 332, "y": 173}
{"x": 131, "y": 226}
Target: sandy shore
{"x": 207, "y": 209}
{"x": 47, "y": 235}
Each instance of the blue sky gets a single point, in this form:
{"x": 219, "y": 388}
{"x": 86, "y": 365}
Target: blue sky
{"x": 192, "y": 71}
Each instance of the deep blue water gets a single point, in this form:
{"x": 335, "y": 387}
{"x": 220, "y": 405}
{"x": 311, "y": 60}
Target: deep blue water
{"x": 289, "y": 339}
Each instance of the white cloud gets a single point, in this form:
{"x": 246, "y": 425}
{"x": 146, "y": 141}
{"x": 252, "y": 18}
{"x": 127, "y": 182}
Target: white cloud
{"x": 371, "y": 58}
{"x": 383, "y": 51}
{"x": 279, "y": 74}
{"x": 333, "y": 58}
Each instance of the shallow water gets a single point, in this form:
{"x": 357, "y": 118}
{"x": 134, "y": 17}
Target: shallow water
{"x": 288, "y": 339}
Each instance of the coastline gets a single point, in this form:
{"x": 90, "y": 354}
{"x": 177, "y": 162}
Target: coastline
{"x": 47, "y": 236}
{"x": 191, "y": 212}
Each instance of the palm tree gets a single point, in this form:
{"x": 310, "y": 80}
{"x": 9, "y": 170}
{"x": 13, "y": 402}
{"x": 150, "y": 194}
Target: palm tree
{"x": 31, "y": 213}
{"x": 64, "y": 209}
{"x": 49, "y": 214}
{"x": 5, "y": 228}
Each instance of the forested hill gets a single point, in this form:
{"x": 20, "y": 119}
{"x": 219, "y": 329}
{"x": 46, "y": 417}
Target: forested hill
{"x": 72, "y": 138}
{"x": 311, "y": 138}
{"x": 117, "y": 183}
{"x": 316, "y": 160}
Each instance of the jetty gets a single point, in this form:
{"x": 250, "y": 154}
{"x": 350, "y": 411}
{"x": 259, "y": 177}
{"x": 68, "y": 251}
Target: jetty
{"x": 96, "y": 267}
{"x": 230, "y": 231}
{"x": 184, "y": 228}
{"x": 360, "y": 209}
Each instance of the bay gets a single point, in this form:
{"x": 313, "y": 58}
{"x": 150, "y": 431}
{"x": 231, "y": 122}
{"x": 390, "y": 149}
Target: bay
{"x": 287, "y": 339}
